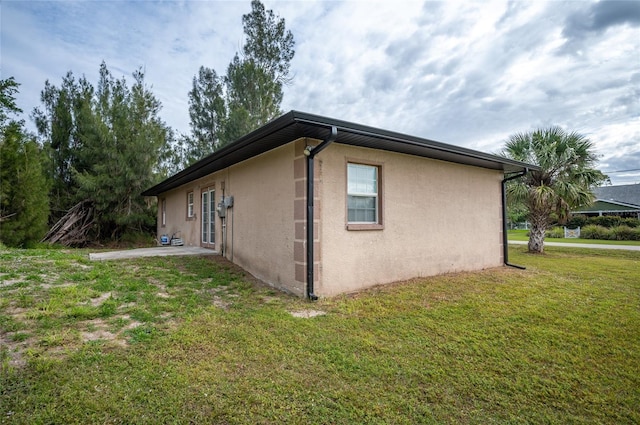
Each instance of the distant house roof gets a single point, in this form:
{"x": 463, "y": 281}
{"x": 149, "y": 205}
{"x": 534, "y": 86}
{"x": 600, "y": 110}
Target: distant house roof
{"x": 294, "y": 125}
{"x": 614, "y": 200}
{"x": 625, "y": 194}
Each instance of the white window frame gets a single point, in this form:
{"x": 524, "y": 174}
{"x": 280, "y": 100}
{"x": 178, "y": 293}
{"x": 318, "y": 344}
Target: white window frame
{"x": 376, "y": 224}
{"x": 190, "y": 204}
{"x": 164, "y": 212}
{"x": 208, "y": 217}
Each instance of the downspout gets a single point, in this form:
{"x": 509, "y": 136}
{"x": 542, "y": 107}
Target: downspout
{"x": 310, "y": 152}
{"x": 505, "y": 242}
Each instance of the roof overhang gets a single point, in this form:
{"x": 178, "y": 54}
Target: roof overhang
{"x": 294, "y": 125}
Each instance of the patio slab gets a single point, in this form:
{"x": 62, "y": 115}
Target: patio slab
{"x": 160, "y": 251}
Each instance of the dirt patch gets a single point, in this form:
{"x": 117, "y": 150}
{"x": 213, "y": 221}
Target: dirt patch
{"x": 57, "y": 285}
{"x": 95, "y": 302}
{"x": 307, "y": 314}
{"x": 220, "y": 303}
{"x": 9, "y": 282}
{"x": 14, "y": 351}
{"x": 98, "y": 329}
{"x": 98, "y": 334}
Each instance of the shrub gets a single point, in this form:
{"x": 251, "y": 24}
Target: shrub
{"x": 618, "y": 233}
{"x": 631, "y": 222}
{"x": 622, "y": 233}
{"x": 554, "y": 232}
{"x": 605, "y": 221}
{"x": 577, "y": 221}
{"x": 592, "y": 231}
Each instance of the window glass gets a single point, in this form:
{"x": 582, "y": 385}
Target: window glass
{"x": 190, "y": 204}
{"x": 363, "y": 179}
{"x": 362, "y": 196}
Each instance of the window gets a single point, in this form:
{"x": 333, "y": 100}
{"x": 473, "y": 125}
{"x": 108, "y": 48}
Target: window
{"x": 164, "y": 212}
{"x": 363, "y": 200}
{"x": 189, "y": 205}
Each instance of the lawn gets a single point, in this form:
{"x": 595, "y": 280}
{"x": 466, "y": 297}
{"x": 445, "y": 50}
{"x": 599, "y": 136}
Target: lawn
{"x": 522, "y": 235}
{"x": 195, "y": 340}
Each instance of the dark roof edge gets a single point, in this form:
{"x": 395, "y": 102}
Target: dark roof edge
{"x": 402, "y": 138}
{"x": 269, "y": 128}
{"x": 296, "y": 117}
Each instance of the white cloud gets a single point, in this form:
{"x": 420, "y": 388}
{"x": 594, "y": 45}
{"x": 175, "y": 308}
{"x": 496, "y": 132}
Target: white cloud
{"x": 467, "y": 73}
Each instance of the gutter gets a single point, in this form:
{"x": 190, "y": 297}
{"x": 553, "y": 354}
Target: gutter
{"x": 310, "y": 152}
{"x": 505, "y": 242}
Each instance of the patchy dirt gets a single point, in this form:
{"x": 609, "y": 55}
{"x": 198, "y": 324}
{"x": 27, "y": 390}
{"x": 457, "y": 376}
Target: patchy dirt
{"x": 96, "y": 302}
{"x": 14, "y": 350}
{"x": 98, "y": 329}
{"x": 307, "y": 314}
{"x": 56, "y": 285}
{"x": 100, "y": 334}
{"x": 10, "y": 282}
{"x": 220, "y": 303}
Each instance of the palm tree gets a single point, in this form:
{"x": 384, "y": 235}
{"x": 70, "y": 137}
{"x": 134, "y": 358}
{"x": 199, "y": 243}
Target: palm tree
{"x": 564, "y": 181}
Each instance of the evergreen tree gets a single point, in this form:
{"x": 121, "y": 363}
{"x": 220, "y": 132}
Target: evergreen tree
{"x": 253, "y": 98}
{"x": 105, "y": 146}
{"x": 66, "y": 115}
{"x": 250, "y": 94}
{"x": 123, "y": 150}
{"x": 269, "y": 45}
{"x": 207, "y": 111}
{"x": 8, "y": 90}
{"x": 24, "y": 202}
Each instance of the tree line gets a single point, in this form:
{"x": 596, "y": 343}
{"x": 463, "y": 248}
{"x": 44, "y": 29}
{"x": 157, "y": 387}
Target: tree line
{"x": 98, "y": 146}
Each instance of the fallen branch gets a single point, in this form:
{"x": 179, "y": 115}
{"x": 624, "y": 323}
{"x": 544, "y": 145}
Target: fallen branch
{"x": 6, "y": 217}
{"x": 73, "y": 228}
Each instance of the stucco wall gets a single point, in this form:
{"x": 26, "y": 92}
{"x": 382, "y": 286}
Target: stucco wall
{"x": 260, "y": 226}
{"x": 438, "y": 217}
{"x": 262, "y": 217}
{"x": 176, "y": 222}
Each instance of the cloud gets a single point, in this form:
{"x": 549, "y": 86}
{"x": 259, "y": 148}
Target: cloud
{"x": 601, "y": 16}
{"x": 466, "y": 73}
{"x": 584, "y": 24}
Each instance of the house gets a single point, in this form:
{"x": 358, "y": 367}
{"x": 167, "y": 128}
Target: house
{"x": 381, "y": 206}
{"x": 622, "y": 200}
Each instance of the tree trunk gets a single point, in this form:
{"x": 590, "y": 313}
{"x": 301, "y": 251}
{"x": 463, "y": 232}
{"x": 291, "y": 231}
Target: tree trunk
{"x": 536, "y": 234}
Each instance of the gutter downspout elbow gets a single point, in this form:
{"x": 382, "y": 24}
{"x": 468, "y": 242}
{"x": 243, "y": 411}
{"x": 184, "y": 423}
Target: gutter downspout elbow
{"x": 505, "y": 242}
{"x": 310, "y": 152}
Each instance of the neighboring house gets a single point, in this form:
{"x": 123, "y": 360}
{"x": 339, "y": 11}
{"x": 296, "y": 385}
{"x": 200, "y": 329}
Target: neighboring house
{"x": 382, "y": 206}
{"x": 623, "y": 200}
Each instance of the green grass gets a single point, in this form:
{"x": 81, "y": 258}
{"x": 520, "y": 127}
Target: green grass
{"x": 521, "y": 235}
{"x": 193, "y": 340}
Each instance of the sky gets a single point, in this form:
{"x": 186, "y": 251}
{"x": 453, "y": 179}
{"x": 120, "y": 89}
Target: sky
{"x": 467, "y": 73}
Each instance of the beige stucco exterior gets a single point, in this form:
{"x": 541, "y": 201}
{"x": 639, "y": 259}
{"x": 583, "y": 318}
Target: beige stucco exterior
{"x": 259, "y": 226}
{"x": 438, "y": 217}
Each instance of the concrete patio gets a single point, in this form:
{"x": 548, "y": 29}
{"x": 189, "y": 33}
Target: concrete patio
{"x": 160, "y": 251}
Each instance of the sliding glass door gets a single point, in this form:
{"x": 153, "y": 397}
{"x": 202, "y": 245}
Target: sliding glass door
{"x": 208, "y": 218}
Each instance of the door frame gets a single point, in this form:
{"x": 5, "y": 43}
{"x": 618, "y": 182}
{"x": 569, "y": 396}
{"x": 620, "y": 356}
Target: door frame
{"x": 208, "y": 217}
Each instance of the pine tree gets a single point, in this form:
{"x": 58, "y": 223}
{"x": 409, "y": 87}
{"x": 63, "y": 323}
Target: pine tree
{"x": 250, "y": 94}
{"x": 24, "y": 202}
{"x": 105, "y": 146}
{"x": 207, "y": 111}
{"x": 65, "y": 116}
{"x": 123, "y": 150}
